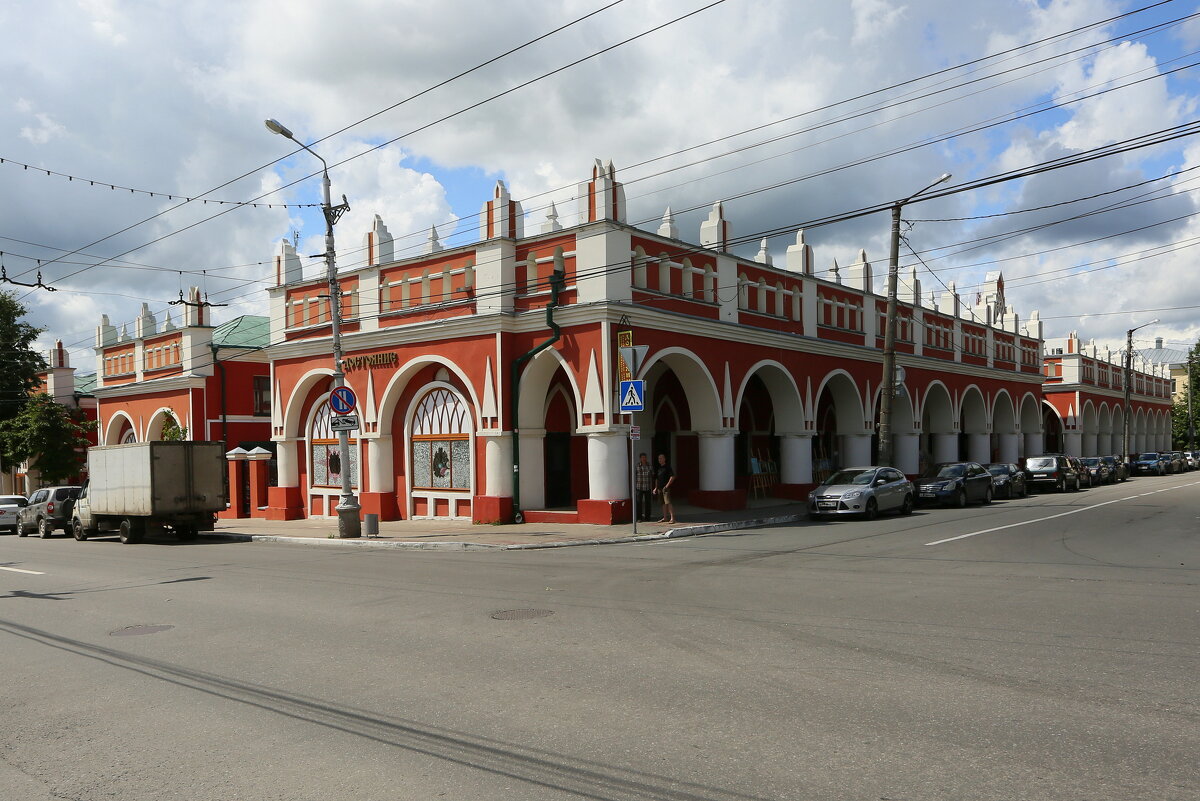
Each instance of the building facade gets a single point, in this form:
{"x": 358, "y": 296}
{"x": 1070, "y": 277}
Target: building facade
{"x": 213, "y": 382}
{"x": 487, "y": 375}
{"x": 1084, "y": 393}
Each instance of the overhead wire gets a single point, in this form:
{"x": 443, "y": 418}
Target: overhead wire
{"x": 1011, "y": 50}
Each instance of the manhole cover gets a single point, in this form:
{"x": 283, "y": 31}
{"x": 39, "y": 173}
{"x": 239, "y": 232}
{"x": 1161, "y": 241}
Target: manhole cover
{"x": 521, "y": 614}
{"x": 133, "y": 631}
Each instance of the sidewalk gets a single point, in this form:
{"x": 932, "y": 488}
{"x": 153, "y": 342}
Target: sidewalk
{"x": 461, "y": 535}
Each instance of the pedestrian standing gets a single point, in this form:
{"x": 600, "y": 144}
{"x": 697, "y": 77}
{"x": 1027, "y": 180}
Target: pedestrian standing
{"x": 664, "y": 477}
{"x": 643, "y": 477}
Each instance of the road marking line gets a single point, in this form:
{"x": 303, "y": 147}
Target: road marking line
{"x": 1060, "y": 514}
{"x": 19, "y": 570}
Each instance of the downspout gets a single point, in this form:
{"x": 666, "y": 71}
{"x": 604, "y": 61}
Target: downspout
{"x": 224, "y": 412}
{"x": 557, "y": 282}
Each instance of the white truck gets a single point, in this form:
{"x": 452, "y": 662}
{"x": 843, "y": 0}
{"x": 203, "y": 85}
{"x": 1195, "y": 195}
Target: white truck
{"x": 151, "y": 487}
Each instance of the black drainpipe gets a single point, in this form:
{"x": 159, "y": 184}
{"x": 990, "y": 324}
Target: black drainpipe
{"x": 224, "y": 413}
{"x": 557, "y": 282}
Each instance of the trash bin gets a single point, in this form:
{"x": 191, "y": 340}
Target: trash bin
{"x": 371, "y": 525}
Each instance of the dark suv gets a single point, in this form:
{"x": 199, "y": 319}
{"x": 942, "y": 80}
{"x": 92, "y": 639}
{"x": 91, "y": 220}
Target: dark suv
{"x": 49, "y": 509}
{"x": 1055, "y": 472}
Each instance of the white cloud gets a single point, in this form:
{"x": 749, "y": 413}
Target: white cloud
{"x": 185, "y": 116}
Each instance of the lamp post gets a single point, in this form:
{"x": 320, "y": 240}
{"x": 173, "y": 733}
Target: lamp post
{"x": 1191, "y": 429}
{"x": 349, "y": 526}
{"x": 1128, "y": 383}
{"x": 886, "y": 446}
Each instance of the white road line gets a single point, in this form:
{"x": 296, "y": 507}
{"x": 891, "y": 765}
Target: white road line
{"x": 1060, "y": 514}
{"x": 19, "y": 570}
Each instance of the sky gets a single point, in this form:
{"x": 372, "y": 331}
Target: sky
{"x": 785, "y": 111}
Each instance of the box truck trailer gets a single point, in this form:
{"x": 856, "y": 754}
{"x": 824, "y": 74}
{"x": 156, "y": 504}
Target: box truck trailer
{"x": 148, "y": 487}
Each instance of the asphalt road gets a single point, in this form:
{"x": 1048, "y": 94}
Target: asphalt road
{"x": 1049, "y": 652}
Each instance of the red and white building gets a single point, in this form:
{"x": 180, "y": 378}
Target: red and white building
{"x": 1084, "y": 393}
{"x": 748, "y": 363}
{"x": 214, "y": 381}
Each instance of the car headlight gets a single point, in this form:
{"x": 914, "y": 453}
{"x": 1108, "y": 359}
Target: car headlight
{"x": 851, "y": 495}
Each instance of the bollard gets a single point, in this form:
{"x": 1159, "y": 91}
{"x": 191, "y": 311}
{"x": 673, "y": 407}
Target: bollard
{"x": 371, "y": 525}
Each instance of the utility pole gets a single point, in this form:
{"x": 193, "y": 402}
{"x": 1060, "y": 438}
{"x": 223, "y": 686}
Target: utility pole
{"x": 888, "y": 394}
{"x": 349, "y": 526}
{"x": 1128, "y": 384}
{"x": 1191, "y": 429}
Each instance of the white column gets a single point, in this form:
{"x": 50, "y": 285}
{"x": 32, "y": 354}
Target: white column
{"x": 1071, "y": 442}
{"x": 945, "y": 447}
{"x": 288, "y": 472}
{"x": 1007, "y": 445}
{"x": 907, "y": 453}
{"x": 533, "y": 468}
{"x": 608, "y": 466}
{"x": 856, "y": 450}
{"x": 1088, "y": 444}
{"x": 1034, "y": 444}
{"x": 498, "y": 466}
{"x": 716, "y": 460}
{"x": 979, "y": 448}
{"x": 795, "y": 458}
{"x": 379, "y": 464}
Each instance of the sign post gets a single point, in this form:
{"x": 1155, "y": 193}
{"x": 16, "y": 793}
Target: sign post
{"x": 633, "y": 399}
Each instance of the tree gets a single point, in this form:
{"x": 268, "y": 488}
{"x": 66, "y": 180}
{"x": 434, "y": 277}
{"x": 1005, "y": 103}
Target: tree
{"x": 1180, "y": 431}
{"x": 19, "y": 377}
{"x": 49, "y": 436}
{"x": 171, "y": 430}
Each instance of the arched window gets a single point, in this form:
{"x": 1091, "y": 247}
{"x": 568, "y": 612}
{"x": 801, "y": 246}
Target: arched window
{"x": 327, "y": 467}
{"x": 441, "y": 445}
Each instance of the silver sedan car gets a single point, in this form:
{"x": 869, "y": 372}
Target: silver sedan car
{"x": 865, "y": 491}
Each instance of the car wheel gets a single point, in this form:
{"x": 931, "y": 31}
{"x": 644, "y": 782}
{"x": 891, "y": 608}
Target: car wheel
{"x": 1024, "y": 490}
{"x": 77, "y": 530}
{"x": 872, "y": 510}
{"x": 906, "y": 508}
{"x": 130, "y": 532}
{"x": 1061, "y": 486}
{"x": 960, "y": 499}
{"x": 987, "y": 495}
{"x": 44, "y": 528}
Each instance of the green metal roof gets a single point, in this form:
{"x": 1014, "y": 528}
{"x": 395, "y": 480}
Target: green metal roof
{"x": 247, "y": 331}
{"x": 85, "y": 384}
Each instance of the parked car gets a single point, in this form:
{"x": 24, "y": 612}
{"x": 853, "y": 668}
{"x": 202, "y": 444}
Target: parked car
{"x": 1117, "y": 469}
{"x": 955, "y": 484}
{"x": 1170, "y": 465}
{"x": 1150, "y": 463}
{"x": 1085, "y": 478}
{"x": 1008, "y": 480}
{"x": 10, "y": 511}
{"x": 1098, "y": 471}
{"x": 1052, "y": 471}
{"x": 1192, "y": 459}
{"x": 862, "y": 490}
{"x": 1175, "y": 461}
{"x": 49, "y": 510}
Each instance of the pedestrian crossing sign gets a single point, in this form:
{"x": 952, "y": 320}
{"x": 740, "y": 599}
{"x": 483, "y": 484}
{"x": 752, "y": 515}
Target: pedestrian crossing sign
{"x": 633, "y": 396}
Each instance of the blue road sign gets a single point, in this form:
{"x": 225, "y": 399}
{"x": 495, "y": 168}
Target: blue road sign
{"x": 633, "y": 396}
{"x": 342, "y": 400}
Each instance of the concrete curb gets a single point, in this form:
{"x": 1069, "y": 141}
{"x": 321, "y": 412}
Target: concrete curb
{"x": 674, "y": 533}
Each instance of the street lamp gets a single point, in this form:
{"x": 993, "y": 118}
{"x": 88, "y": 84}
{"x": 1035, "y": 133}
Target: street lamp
{"x": 1128, "y": 382}
{"x": 886, "y": 446}
{"x": 349, "y": 526}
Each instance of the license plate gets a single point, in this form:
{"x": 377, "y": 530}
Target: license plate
{"x": 1041, "y": 475}
{"x": 827, "y": 505}
{"x": 927, "y": 494}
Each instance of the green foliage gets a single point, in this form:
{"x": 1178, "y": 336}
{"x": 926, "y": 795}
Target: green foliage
{"x": 172, "y": 431}
{"x": 48, "y": 435}
{"x": 1180, "y": 434}
{"x": 19, "y": 378}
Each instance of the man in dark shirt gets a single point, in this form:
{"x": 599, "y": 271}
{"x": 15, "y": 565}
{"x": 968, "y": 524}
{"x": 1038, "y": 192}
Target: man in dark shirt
{"x": 643, "y": 477}
{"x": 664, "y": 477}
